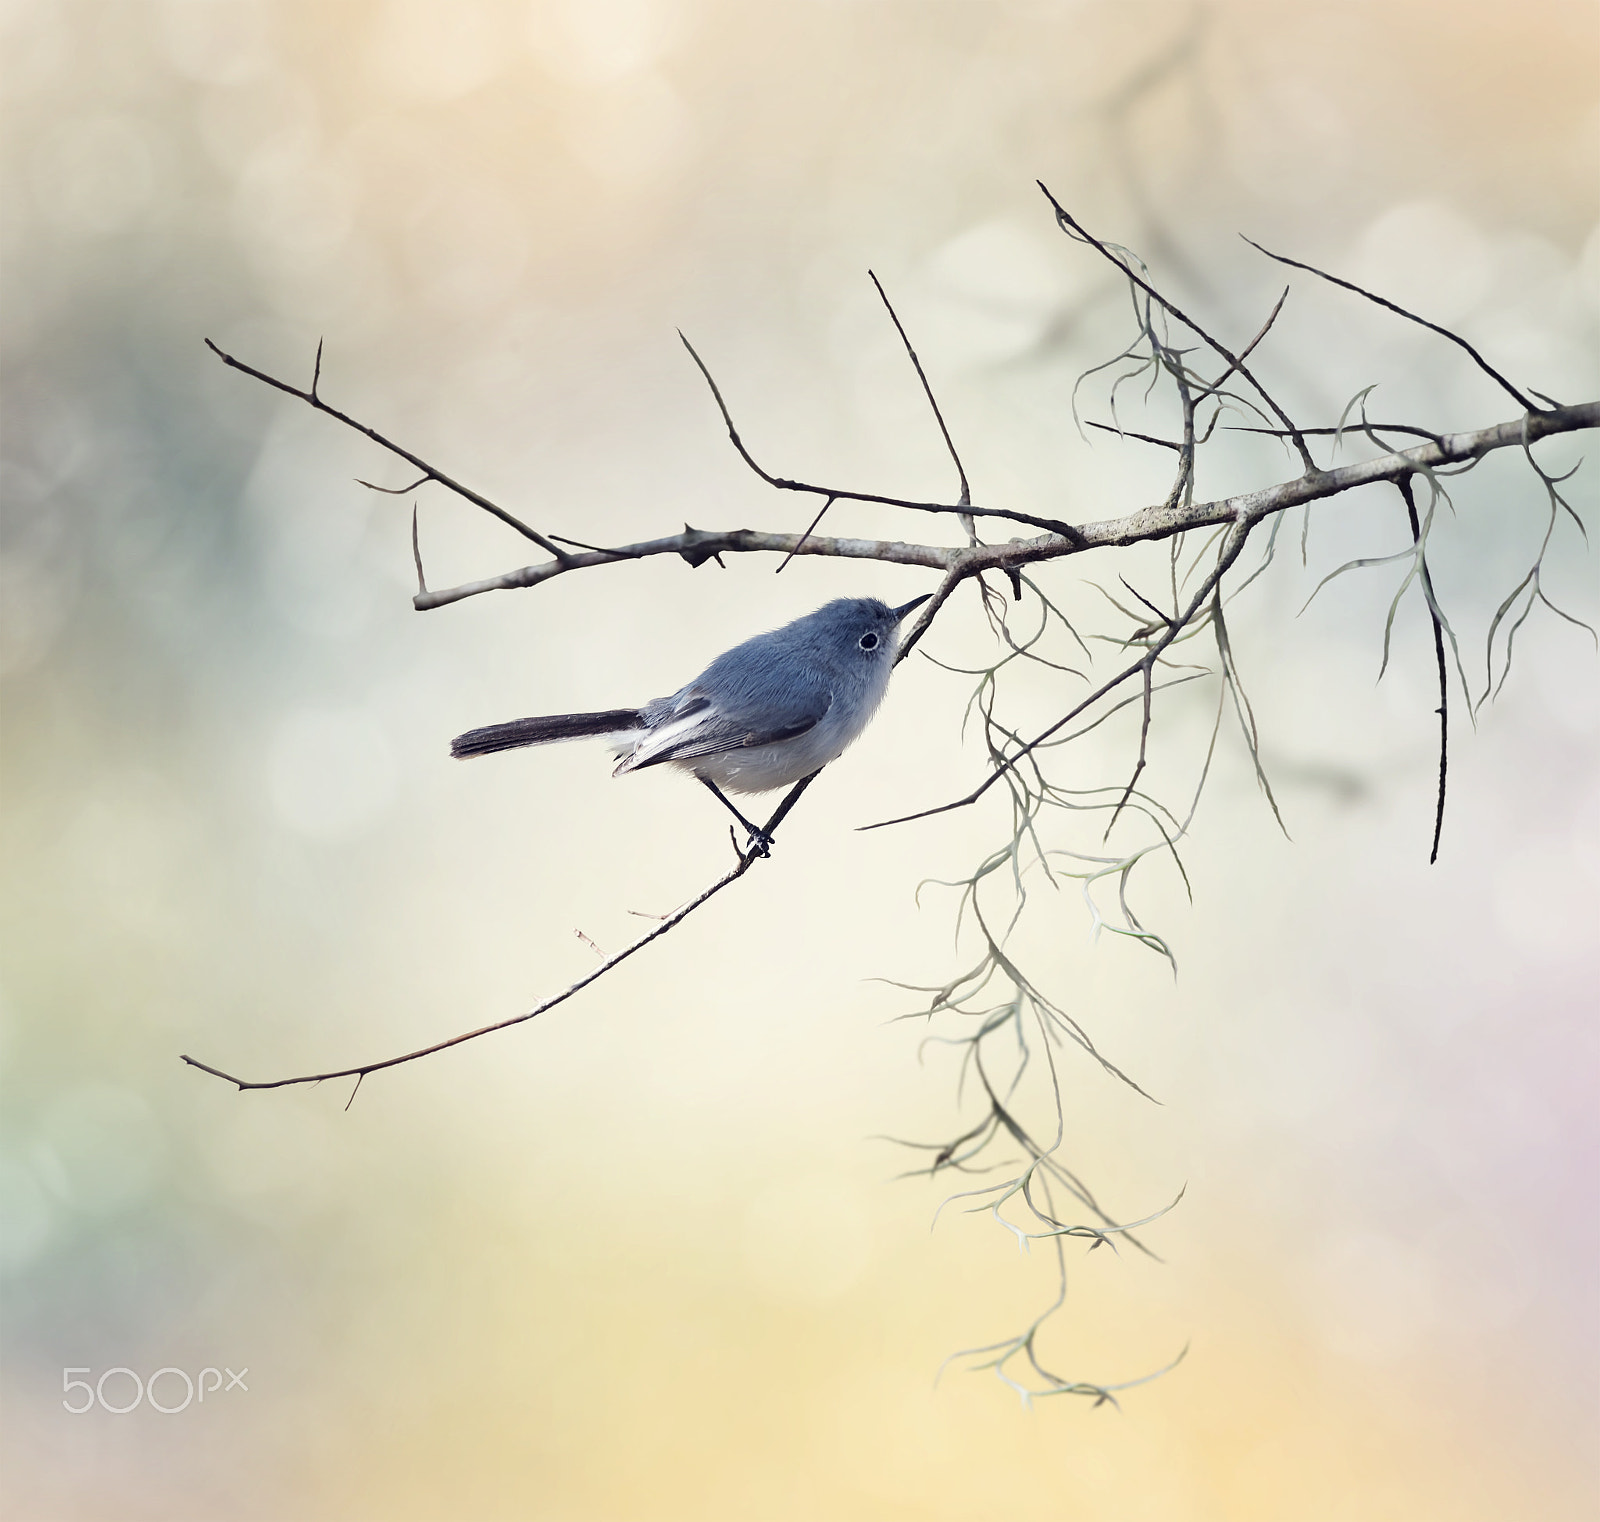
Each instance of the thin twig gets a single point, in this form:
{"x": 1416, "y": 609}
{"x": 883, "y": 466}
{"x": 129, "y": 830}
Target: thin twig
{"x": 1066, "y": 219}
{"x": 747, "y": 859}
{"x": 1404, "y": 483}
{"x": 1230, "y": 553}
{"x": 429, "y": 472}
{"x": 927, "y": 391}
{"x": 403, "y": 491}
{"x": 1139, "y": 764}
{"x": 1066, "y": 530}
{"x": 1128, "y": 433}
{"x": 1248, "y": 349}
{"x": 810, "y": 529}
{"x": 1334, "y": 433}
{"x": 1400, "y": 311}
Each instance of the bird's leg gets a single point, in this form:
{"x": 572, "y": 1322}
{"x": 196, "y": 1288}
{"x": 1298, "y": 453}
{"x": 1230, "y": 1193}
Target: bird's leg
{"x": 760, "y": 841}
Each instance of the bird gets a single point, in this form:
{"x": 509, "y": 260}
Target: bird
{"x": 766, "y": 714}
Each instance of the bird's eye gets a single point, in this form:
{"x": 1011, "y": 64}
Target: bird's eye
{"x": 868, "y": 641}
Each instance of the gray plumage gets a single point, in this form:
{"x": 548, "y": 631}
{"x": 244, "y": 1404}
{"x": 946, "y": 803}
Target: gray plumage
{"x": 761, "y": 716}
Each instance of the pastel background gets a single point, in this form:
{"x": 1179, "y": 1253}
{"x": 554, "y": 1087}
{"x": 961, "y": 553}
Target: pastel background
{"x": 642, "y": 1258}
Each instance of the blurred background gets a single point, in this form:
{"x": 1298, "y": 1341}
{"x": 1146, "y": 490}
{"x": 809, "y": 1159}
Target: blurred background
{"x": 644, "y": 1258}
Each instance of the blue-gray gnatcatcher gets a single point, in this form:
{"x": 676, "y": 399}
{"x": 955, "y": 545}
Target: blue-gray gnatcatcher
{"x": 763, "y": 715}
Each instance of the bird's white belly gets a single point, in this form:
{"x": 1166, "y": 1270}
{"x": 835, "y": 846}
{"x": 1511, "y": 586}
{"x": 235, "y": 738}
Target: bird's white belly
{"x": 762, "y": 768}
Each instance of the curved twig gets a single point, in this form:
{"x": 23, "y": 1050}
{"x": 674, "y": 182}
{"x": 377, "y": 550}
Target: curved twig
{"x": 747, "y": 859}
{"x": 783, "y": 483}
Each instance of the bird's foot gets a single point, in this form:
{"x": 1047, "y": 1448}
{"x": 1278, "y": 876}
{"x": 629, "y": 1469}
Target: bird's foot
{"x": 759, "y": 842}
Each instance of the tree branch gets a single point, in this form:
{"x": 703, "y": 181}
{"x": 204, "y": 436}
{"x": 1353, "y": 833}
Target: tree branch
{"x": 962, "y": 508}
{"x": 747, "y": 859}
{"x": 1400, "y": 311}
{"x": 1071, "y": 225}
{"x": 698, "y": 546}
{"x": 1158, "y": 521}
{"x": 429, "y": 473}
{"x": 996, "y": 994}
{"x": 938, "y": 416}
{"x": 1404, "y": 483}
{"x": 1240, "y": 531}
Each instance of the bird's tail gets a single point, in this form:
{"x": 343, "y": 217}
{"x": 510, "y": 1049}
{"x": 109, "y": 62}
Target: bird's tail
{"x": 559, "y": 726}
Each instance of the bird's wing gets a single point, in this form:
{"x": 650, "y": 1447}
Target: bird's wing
{"x": 699, "y": 730}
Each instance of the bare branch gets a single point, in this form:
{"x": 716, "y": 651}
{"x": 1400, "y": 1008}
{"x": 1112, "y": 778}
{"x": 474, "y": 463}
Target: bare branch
{"x": 747, "y": 859}
{"x": 1139, "y": 765}
{"x": 697, "y": 546}
{"x": 1008, "y": 1049}
{"x": 429, "y": 473}
{"x": 1066, "y": 530}
{"x": 1158, "y": 521}
{"x": 1249, "y": 348}
{"x": 927, "y": 390}
{"x": 1066, "y": 220}
{"x": 811, "y": 528}
{"x": 1404, "y": 483}
{"x": 1400, "y": 311}
{"x": 1230, "y": 552}
{"x": 1335, "y": 433}
{"x": 953, "y": 578}
{"x": 1128, "y": 433}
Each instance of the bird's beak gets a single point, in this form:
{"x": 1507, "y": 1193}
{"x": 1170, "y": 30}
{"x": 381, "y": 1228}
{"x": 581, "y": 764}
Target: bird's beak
{"x": 916, "y": 602}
